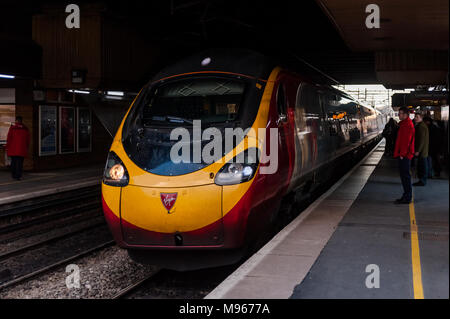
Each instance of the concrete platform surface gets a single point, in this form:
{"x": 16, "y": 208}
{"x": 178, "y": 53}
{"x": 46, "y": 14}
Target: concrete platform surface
{"x": 46, "y": 183}
{"x": 352, "y": 235}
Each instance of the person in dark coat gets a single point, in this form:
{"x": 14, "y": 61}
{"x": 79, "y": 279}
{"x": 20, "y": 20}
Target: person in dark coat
{"x": 421, "y": 149}
{"x": 390, "y": 134}
{"x": 17, "y": 143}
{"x": 435, "y": 146}
{"x": 404, "y": 151}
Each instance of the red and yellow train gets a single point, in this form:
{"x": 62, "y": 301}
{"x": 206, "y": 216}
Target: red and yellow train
{"x": 196, "y": 213}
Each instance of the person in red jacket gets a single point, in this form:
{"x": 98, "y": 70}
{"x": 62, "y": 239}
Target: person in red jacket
{"x": 404, "y": 151}
{"x": 17, "y": 144}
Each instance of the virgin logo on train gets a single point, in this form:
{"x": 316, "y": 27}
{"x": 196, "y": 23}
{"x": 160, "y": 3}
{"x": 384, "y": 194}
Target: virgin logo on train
{"x": 169, "y": 200}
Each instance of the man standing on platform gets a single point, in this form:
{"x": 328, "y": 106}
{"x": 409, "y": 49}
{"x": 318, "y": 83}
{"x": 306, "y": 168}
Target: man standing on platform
{"x": 17, "y": 144}
{"x": 404, "y": 151}
{"x": 421, "y": 149}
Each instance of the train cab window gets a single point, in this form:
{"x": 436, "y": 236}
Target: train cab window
{"x": 209, "y": 99}
{"x": 281, "y": 102}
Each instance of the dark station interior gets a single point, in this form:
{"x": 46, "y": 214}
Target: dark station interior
{"x": 73, "y": 87}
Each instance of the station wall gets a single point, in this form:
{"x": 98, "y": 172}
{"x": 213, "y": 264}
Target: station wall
{"x": 25, "y": 105}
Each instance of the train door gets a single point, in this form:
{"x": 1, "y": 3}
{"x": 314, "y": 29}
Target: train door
{"x": 344, "y": 110}
{"x": 308, "y": 131}
{"x": 354, "y": 123}
{"x": 323, "y": 137}
{"x": 328, "y": 103}
{"x": 283, "y": 129}
{"x": 360, "y": 123}
{"x": 280, "y": 120}
{"x": 364, "y": 123}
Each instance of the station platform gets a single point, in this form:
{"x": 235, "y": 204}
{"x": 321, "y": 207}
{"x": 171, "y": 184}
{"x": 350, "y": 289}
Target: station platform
{"x": 354, "y": 237}
{"x": 36, "y": 184}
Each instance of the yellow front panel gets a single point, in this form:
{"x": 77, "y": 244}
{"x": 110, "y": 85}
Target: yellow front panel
{"x": 199, "y": 201}
{"x": 195, "y": 208}
{"x": 111, "y": 196}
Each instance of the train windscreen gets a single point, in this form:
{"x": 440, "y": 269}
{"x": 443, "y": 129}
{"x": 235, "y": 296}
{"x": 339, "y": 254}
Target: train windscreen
{"x": 210, "y": 100}
{"x": 217, "y": 102}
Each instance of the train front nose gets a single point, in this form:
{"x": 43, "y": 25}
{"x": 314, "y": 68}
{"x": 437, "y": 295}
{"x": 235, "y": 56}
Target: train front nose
{"x": 181, "y": 216}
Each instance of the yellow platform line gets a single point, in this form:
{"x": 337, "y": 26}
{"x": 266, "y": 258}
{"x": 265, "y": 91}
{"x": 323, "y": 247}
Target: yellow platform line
{"x": 415, "y": 255}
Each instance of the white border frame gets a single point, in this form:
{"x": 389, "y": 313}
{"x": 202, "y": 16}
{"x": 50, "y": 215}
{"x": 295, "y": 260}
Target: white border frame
{"x": 39, "y": 128}
{"x": 74, "y": 127}
{"x": 84, "y": 150}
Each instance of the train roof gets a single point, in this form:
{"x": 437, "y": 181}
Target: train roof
{"x": 239, "y": 61}
{"x": 245, "y": 62}
{"x": 347, "y": 95}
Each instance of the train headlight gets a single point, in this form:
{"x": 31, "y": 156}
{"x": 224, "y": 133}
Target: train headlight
{"x": 115, "y": 172}
{"x": 239, "y": 170}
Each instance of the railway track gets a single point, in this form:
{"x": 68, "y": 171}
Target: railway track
{"x": 37, "y": 229}
{"x": 165, "y": 283}
{"x": 62, "y": 215}
{"x": 24, "y": 214}
{"x": 25, "y": 248}
{"x": 55, "y": 265}
{"x": 123, "y": 293}
{"x": 47, "y": 232}
{"x": 28, "y": 261}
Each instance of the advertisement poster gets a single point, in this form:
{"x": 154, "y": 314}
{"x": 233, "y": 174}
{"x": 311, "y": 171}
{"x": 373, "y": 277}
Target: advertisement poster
{"x": 66, "y": 130}
{"x": 47, "y": 130}
{"x": 84, "y": 130}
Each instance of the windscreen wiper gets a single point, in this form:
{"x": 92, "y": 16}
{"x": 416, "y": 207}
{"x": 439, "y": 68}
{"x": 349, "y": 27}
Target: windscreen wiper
{"x": 178, "y": 120}
{"x": 172, "y": 119}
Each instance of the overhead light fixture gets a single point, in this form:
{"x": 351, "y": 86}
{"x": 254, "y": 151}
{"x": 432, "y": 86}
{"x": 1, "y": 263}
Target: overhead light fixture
{"x": 115, "y": 93}
{"x": 6, "y": 76}
{"x": 79, "y": 92}
{"x": 431, "y": 88}
{"x": 206, "y": 61}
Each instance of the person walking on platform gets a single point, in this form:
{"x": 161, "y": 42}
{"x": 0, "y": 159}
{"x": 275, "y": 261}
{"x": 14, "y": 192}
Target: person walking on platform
{"x": 404, "y": 151}
{"x": 390, "y": 134}
{"x": 434, "y": 150}
{"x": 421, "y": 149}
{"x": 17, "y": 143}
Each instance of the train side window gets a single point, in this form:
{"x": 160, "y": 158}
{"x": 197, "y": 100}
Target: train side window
{"x": 331, "y": 106}
{"x": 340, "y": 107}
{"x": 281, "y": 102}
{"x": 316, "y": 107}
{"x": 349, "y": 107}
{"x": 308, "y": 99}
